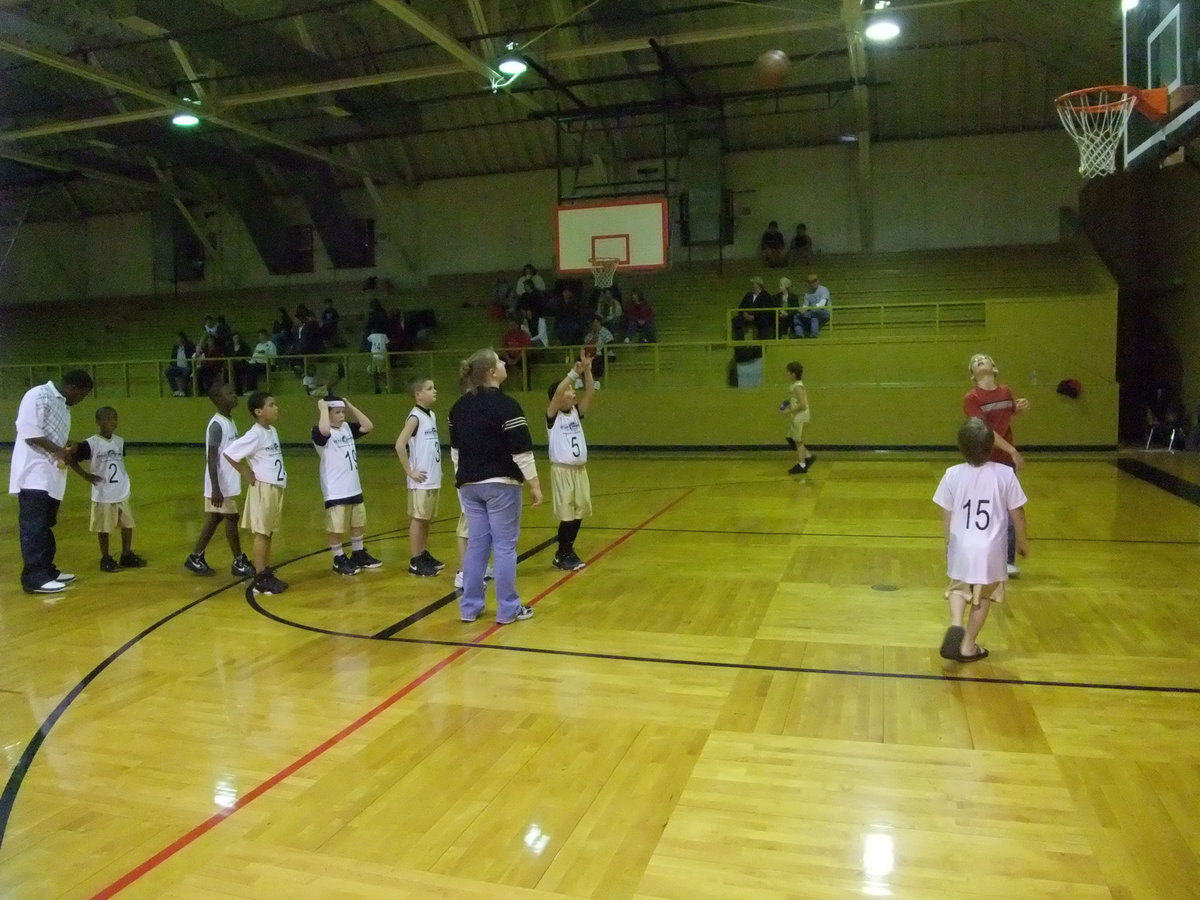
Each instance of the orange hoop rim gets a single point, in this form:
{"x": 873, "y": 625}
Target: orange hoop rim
{"x": 1150, "y": 102}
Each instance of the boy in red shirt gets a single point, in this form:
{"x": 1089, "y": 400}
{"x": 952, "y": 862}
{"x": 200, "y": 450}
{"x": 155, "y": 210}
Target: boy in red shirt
{"x": 995, "y": 404}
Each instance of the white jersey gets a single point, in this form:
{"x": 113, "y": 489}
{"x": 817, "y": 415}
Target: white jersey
{"x": 43, "y": 413}
{"x": 260, "y": 448}
{"x": 107, "y": 460}
{"x": 229, "y": 480}
{"x": 340, "y": 483}
{"x": 568, "y": 447}
{"x": 979, "y": 499}
{"x": 378, "y": 342}
{"x": 425, "y": 450}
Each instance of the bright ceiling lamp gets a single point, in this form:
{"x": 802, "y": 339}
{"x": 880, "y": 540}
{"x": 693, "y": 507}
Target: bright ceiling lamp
{"x": 509, "y": 67}
{"x": 184, "y": 119}
{"x": 1127, "y": 5}
{"x": 882, "y": 30}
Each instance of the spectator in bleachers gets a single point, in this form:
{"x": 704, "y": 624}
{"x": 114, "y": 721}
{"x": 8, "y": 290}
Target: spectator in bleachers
{"x": 502, "y": 294}
{"x": 302, "y": 311}
{"x": 261, "y": 359}
{"x": 209, "y": 364}
{"x": 179, "y": 372}
{"x": 329, "y": 325}
{"x": 572, "y": 321}
{"x": 514, "y": 341}
{"x": 639, "y": 320}
{"x": 239, "y": 353}
{"x": 750, "y": 315}
{"x": 210, "y": 327}
{"x": 224, "y": 333}
{"x": 595, "y": 344}
{"x": 377, "y": 321}
{"x": 282, "y": 333}
{"x": 530, "y": 282}
{"x": 609, "y": 311}
{"x": 309, "y": 335}
{"x": 789, "y": 304}
{"x": 399, "y": 340}
{"x": 772, "y": 247}
{"x": 800, "y": 250}
{"x": 816, "y": 308}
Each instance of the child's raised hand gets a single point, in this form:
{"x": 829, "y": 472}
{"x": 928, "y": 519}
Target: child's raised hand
{"x": 585, "y": 364}
{"x": 1022, "y": 404}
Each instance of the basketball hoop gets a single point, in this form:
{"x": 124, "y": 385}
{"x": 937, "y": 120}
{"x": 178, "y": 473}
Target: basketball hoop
{"x": 1096, "y": 118}
{"x": 604, "y": 270}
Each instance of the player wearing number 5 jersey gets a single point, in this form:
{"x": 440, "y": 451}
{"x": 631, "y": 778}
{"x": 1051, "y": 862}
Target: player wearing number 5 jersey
{"x": 978, "y": 498}
{"x": 571, "y": 489}
{"x": 257, "y": 455}
{"x": 105, "y": 453}
{"x": 334, "y": 437}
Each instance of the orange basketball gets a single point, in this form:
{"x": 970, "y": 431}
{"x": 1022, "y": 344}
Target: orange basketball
{"x": 771, "y": 68}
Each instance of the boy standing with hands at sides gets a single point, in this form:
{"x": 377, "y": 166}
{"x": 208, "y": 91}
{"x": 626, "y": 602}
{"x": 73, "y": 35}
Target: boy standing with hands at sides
{"x": 222, "y": 485}
{"x": 797, "y": 407}
{"x": 110, "y": 490}
{"x": 979, "y": 499}
{"x": 570, "y": 487}
{"x": 258, "y": 456}
{"x": 995, "y": 404}
{"x": 419, "y": 450}
{"x": 334, "y": 437}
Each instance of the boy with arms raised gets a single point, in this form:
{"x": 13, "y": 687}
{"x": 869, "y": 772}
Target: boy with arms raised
{"x": 571, "y": 489}
{"x": 334, "y": 437}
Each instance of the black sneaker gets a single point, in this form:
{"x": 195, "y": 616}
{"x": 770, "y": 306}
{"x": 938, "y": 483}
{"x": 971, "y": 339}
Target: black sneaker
{"x": 567, "y": 562}
{"x": 365, "y": 560}
{"x": 798, "y": 469}
{"x": 418, "y": 565}
{"x": 436, "y": 563}
{"x": 131, "y": 560}
{"x": 242, "y": 567}
{"x": 267, "y": 583}
{"x": 343, "y": 566}
{"x": 108, "y": 564}
{"x": 196, "y": 563}
{"x": 575, "y": 561}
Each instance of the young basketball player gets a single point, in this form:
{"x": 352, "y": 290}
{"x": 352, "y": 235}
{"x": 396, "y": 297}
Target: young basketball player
{"x": 222, "y": 485}
{"x": 797, "y": 407}
{"x": 571, "y": 489}
{"x": 995, "y": 404}
{"x": 257, "y": 455}
{"x": 420, "y": 453}
{"x": 979, "y": 499}
{"x": 105, "y": 453}
{"x": 334, "y": 437}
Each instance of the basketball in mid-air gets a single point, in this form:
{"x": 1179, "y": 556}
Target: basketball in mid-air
{"x": 771, "y": 68}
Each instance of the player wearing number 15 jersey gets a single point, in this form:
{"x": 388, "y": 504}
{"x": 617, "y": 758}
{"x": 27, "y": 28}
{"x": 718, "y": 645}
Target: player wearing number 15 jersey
{"x": 258, "y": 456}
{"x": 572, "y": 491}
{"x": 334, "y": 437}
{"x": 978, "y": 499}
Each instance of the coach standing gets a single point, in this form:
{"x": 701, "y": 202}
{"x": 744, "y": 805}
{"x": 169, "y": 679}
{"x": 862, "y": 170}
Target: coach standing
{"x": 39, "y": 475}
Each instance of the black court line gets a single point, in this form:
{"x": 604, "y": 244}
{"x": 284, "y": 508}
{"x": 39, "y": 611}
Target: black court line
{"x": 1172, "y": 484}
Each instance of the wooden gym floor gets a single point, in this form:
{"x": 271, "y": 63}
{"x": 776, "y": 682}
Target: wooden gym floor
{"x": 740, "y": 696}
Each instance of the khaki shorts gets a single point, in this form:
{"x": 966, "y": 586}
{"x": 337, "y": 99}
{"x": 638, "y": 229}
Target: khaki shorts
{"x": 462, "y": 531}
{"x": 228, "y": 507}
{"x": 264, "y": 508}
{"x": 974, "y": 594}
{"x": 345, "y": 516}
{"x": 423, "y": 504}
{"x": 108, "y": 517}
{"x": 572, "y": 492}
{"x": 796, "y": 426}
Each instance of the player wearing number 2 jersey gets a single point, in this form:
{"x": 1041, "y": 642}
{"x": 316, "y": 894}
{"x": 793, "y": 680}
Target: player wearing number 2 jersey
{"x": 258, "y": 456}
{"x": 334, "y": 437}
{"x": 978, "y": 499}
{"x": 572, "y": 491}
{"x": 105, "y": 453}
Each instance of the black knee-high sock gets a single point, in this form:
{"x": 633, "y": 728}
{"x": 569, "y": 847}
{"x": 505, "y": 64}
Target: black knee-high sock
{"x": 572, "y": 533}
{"x": 564, "y": 538}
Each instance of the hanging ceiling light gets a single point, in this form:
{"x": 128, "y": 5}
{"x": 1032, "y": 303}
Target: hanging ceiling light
{"x": 183, "y": 118}
{"x": 509, "y": 67}
{"x": 882, "y": 30}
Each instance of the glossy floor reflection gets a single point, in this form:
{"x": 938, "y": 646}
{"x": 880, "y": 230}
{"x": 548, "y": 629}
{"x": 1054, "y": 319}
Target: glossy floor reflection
{"x": 740, "y": 696}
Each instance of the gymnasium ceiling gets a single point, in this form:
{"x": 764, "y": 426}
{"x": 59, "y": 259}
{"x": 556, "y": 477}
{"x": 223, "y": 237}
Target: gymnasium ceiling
{"x": 376, "y": 92}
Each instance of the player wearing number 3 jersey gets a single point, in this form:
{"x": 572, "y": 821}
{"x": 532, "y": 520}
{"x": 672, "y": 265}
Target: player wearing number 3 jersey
{"x": 572, "y": 491}
{"x": 257, "y": 455}
{"x": 978, "y": 499}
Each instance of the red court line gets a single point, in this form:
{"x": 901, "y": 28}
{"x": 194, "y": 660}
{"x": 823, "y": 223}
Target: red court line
{"x": 250, "y": 796}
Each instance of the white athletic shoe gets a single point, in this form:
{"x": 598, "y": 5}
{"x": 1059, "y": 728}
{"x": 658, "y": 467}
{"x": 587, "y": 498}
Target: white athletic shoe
{"x": 1013, "y": 571}
{"x": 49, "y": 587}
{"x": 458, "y": 585}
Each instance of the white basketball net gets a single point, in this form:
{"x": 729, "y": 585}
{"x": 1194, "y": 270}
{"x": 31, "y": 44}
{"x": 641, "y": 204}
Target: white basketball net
{"x": 1096, "y": 119}
{"x": 604, "y": 270}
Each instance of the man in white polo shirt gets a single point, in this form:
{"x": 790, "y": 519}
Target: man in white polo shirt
{"x": 38, "y": 477}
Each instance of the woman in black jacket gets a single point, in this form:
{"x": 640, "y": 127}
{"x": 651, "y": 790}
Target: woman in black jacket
{"x": 492, "y": 452}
